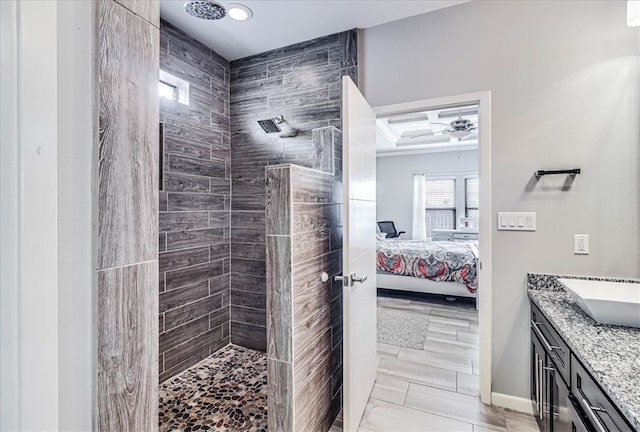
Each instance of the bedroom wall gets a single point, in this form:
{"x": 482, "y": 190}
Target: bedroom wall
{"x": 303, "y": 83}
{"x": 563, "y": 78}
{"x": 394, "y": 181}
{"x": 194, "y": 206}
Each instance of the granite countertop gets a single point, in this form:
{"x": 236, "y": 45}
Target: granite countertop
{"x": 610, "y": 353}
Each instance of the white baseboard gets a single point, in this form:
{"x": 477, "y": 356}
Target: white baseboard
{"x": 514, "y": 403}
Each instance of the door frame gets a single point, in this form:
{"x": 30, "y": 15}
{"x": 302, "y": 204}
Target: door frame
{"x": 485, "y": 292}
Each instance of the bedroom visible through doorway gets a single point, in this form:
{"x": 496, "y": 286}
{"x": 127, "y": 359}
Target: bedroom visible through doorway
{"x": 428, "y": 253}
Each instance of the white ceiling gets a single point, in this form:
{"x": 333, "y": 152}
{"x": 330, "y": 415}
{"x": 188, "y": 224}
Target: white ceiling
{"x": 424, "y": 132}
{"x": 280, "y": 23}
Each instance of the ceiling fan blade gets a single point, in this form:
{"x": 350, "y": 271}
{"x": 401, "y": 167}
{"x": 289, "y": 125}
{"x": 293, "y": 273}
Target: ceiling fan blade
{"x": 472, "y": 136}
{"x": 438, "y": 123}
{"x": 420, "y": 135}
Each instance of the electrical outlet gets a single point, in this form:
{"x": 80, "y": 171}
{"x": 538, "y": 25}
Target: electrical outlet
{"x": 581, "y": 244}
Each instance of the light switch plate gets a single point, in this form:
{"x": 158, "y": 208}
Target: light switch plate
{"x": 516, "y": 221}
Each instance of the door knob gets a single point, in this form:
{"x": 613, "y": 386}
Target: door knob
{"x": 360, "y": 279}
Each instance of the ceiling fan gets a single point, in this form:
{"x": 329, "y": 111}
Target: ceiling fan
{"x": 459, "y": 129}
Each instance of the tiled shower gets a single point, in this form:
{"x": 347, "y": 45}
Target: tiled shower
{"x": 213, "y": 200}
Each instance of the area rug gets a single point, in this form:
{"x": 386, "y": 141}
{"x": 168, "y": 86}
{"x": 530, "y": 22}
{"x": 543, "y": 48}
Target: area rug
{"x": 402, "y": 328}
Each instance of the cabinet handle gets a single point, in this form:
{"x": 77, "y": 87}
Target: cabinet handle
{"x": 591, "y": 413}
{"x": 537, "y": 381}
{"x": 547, "y": 345}
{"x": 541, "y": 386}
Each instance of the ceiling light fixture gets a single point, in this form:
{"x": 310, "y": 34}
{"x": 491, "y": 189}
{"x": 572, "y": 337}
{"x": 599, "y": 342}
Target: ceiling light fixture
{"x": 239, "y": 12}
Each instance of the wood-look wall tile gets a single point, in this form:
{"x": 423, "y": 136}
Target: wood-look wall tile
{"x": 193, "y": 238}
{"x": 162, "y": 242}
{"x": 179, "y": 354}
{"x": 279, "y": 299}
{"x": 183, "y": 333}
{"x": 336, "y": 238}
{"x": 308, "y": 302}
{"x": 182, "y": 258}
{"x": 220, "y": 186}
{"x": 306, "y": 274}
{"x": 316, "y": 414}
{"x": 310, "y": 186}
{"x": 307, "y": 375}
{"x": 194, "y": 358}
{"x": 220, "y": 317}
{"x": 335, "y": 313}
{"x": 247, "y": 202}
{"x": 311, "y": 244}
{"x": 219, "y": 219}
{"x": 185, "y": 71}
{"x": 190, "y": 138}
{"x": 323, "y": 151}
{"x": 209, "y": 168}
{"x": 259, "y": 88}
{"x": 243, "y": 266}
{"x": 220, "y": 284}
{"x": 257, "y": 58}
{"x": 316, "y": 77}
{"x": 252, "y": 251}
{"x": 298, "y": 98}
{"x": 178, "y": 202}
{"x": 322, "y": 111}
{"x": 220, "y": 250}
{"x": 174, "y": 182}
{"x": 278, "y": 201}
{"x": 191, "y": 275}
{"x": 313, "y": 44}
{"x": 127, "y": 345}
{"x": 183, "y": 221}
{"x": 182, "y": 296}
{"x": 183, "y": 41}
{"x": 162, "y": 201}
{"x": 306, "y": 334}
{"x": 179, "y": 316}
{"x": 248, "y": 73}
{"x": 280, "y": 400}
{"x": 249, "y": 336}
{"x": 256, "y": 317}
{"x": 349, "y": 46}
{"x": 246, "y": 282}
{"x": 148, "y": 10}
{"x": 312, "y": 217}
{"x": 307, "y": 60}
{"x": 250, "y": 299}
{"x": 128, "y": 147}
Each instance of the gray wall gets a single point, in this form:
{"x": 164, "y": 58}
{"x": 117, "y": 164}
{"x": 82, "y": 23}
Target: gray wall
{"x": 563, "y": 78}
{"x": 194, "y": 206}
{"x": 394, "y": 182}
{"x": 303, "y": 83}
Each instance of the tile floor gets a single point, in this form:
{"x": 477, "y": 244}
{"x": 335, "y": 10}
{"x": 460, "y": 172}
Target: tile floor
{"x": 428, "y": 380}
{"x": 225, "y": 392}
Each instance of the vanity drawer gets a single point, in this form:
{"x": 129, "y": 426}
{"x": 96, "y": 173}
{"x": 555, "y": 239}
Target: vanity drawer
{"x": 558, "y": 350}
{"x": 599, "y": 410}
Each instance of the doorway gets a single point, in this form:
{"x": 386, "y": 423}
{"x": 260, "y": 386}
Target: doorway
{"x": 483, "y": 102}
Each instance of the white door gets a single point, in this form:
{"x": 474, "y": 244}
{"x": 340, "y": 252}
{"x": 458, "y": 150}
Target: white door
{"x": 359, "y": 248}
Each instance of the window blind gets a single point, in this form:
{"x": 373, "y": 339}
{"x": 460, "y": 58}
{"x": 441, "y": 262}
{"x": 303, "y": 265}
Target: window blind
{"x": 440, "y": 211}
{"x": 471, "y": 197}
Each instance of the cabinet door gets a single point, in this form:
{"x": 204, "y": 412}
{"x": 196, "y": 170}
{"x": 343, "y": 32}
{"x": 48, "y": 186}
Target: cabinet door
{"x": 539, "y": 388}
{"x": 560, "y": 404}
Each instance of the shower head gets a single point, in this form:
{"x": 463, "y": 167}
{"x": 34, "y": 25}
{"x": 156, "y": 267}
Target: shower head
{"x": 205, "y": 9}
{"x": 278, "y": 124}
{"x": 269, "y": 126}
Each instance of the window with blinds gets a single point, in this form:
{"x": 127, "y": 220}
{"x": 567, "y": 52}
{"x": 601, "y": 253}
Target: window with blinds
{"x": 440, "y": 211}
{"x": 471, "y": 198}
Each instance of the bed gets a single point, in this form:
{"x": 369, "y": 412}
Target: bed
{"x": 436, "y": 267}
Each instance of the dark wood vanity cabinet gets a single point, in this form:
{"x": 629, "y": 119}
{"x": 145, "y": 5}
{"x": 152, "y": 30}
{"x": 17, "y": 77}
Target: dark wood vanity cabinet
{"x": 564, "y": 395}
{"x": 553, "y": 403}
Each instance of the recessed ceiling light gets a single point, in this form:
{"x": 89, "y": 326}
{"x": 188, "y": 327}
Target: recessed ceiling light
{"x": 239, "y": 12}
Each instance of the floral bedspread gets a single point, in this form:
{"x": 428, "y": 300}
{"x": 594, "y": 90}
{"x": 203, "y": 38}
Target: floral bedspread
{"x": 435, "y": 260}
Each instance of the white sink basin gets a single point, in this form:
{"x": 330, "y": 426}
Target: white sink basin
{"x": 616, "y": 303}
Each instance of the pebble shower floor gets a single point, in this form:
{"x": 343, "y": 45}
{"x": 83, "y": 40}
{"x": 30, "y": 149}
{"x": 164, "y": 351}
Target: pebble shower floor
{"x": 225, "y": 392}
